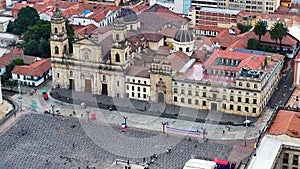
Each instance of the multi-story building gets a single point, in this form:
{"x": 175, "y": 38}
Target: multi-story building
{"x": 177, "y": 6}
{"x": 128, "y": 61}
{"x": 267, "y": 6}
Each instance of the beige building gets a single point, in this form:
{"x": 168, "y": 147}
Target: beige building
{"x": 148, "y": 66}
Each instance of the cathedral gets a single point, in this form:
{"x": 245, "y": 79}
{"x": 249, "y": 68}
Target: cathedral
{"x": 155, "y": 57}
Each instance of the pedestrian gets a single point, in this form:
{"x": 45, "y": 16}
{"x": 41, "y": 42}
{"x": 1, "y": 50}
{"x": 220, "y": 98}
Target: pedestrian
{"x": 74, "y": 113}
{"x": 73, "y": 145}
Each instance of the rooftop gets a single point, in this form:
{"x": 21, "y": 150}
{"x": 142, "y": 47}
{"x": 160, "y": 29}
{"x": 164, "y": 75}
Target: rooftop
{"x": 222, "y": 11}
{"x": 35, "y": 69}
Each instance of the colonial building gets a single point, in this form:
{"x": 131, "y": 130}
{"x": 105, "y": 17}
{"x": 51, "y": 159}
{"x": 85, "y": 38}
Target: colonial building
{"x": 138, "y": 59}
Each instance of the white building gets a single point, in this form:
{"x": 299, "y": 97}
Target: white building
{"x": 33, "y": 74}
{"x": 177, "y": 6}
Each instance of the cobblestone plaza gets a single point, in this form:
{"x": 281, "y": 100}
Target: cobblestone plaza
{"x": 44, "y": 141}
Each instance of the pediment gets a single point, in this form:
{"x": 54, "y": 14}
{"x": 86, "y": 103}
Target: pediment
{"x": 86, "y": 41}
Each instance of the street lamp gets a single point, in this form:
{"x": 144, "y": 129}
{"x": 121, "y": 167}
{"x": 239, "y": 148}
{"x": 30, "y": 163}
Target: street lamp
{"x": 163, "y": 125}
{"x": 125, "y": 121}
{"x": 52, "y": 106}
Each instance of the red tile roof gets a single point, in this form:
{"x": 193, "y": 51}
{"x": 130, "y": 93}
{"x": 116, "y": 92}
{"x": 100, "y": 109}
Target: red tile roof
{"x": 178, "y": 60}
{"x": 153, "y": 37}
{"x": 16, "y": 53}
{"x": 19, "y": 6}
{"x": 286, "y": 122}
{"x": 138, "y": 8}
{"x": 252, "y": 61}
{"x": 89, "y": 29}
{"x": 36, "y": 69}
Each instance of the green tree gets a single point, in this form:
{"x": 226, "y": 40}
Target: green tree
{"x": 243, "y": 28}
{"x": 260, "y": 29}
{"x": 70, "y": 33}
{"x": 41, "y": 30}
{"x": 252, "y": 44}
{"x": 278, "y": 32}
{"x": 31, "y": 48}
{"x": 44, "y": 48}
{"x": 27, "y": 16}
{"x": 18, "y": 61}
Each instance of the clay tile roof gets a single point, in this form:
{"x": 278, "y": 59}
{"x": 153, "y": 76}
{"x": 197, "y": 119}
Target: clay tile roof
{"x": 169, "y": 32}
{"x": 35, "y": 69}
{"x": 138, "y": 71}
{"x": 286, "y": 122}
{"x": 102, "y": 30}
{"x": 139, "y": 8}
{"x": 153, "y": 37}
{"x": 178, "y": 60}
{"x": 19, "y": 6}
{"x": 16, "y": 53}
{"x": 89, "y": 29}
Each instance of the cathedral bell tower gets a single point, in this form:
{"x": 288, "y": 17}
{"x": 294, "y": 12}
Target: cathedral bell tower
{"x": 58, "y": 38}
{"x": 120, "y": 47}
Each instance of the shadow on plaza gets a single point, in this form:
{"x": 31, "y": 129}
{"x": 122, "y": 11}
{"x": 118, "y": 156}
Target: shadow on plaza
{"x": 142, "y": 107}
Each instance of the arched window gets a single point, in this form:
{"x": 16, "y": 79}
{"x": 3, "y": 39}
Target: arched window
{"x": 65, "y": 49}
{"x": 63, "y": 29}
{"x": 117, "y": 57}
{"x": 117, "y": 37}
{"x": 56, "y": 50}
{"x": 248, "y": 84}
{"x": 187, "y": 50}
{"x": 71, "y": 73}
{"x": 240, "y": 84}
{"x": 86, "y": 56}
{"x": 255, "y": 85}
{"x": 104, "y": 78}
{"x": 55, "y": 30}
{"x": 125, "y": 56}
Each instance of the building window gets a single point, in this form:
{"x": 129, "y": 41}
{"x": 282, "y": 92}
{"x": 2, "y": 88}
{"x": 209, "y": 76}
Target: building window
{"x": 224, "y": 106}
{"x": 175, "y": 99}
{"x": 204, "y": 94}
{"x": 118, "y": 95}
{"x": 71, "y": 74}
{"x": 285, "y": 159}
{"x": 253, "y": 110}
{"x": 117, "y": 57}
{"x": 231, "y": 107}
{"x": 55, "y": 30}
{"x": 139, "y": 81}
{"x": 132, "y": 88}
{"x": 240, "y": 84}
{"x": 139, "y": 95}
{"x": 182, "y": 91}
{"x": 254, "y": 101}
{"x": 138, "y": 89}
{"x": 182, "y": 100}
{"x": 247, "y": 100}
{"x": 132, "y": 94}
{"x": 255, "y": 86}
{"x": 56, "y": 75}
{"x": 189, "y": 92}
{"x": 187, "y": 50}
{"x": 133, "y": 80}
{"x": 197, "y": 93}
{"x": 189, "y": 101}
{"x": 231, "y": 98}
{"x": 144, "y": 89}
{"x": 196, "y": 102}
{"x": 118, "y": 83}
{"x": 56, "y": 50}
{"x": 180, "y": 49}
{"x": 224, "y": 97}
{"x": 239, "y": 99}
{"x": 248, "y": 85}
{"x": 239, "y": 108}
{"x": 214, "y": 96}
{"x": 104, "y": 78}
{"x": 175, "y": 90}
{"x": 295, "y": 159}
{"x": 145, "y": 82}
{"x": 144, "y": 95}
{"x": 204, "y": 103}
{"x": 246, "y": 109}
{"x": 127, "y": 87}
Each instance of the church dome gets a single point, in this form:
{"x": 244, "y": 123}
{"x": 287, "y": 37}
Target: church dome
{"x": 184, "y": 35}
{"x": 128, "y": 14}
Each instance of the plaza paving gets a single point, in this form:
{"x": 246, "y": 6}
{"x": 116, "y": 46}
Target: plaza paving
{"x": 69, "y": 142}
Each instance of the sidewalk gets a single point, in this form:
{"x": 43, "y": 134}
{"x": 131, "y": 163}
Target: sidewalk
{"x": 143, "y": 119}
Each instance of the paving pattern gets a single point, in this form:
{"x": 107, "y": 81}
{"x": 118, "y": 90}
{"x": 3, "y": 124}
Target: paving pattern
{"x": 43, "y": 141}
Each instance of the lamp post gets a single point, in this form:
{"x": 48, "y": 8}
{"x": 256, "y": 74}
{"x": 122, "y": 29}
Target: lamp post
{"x": 20, "y": 94}
{"x": 52, "y": 106}
{"x": 164, "y": 126}
{"x": 125, "y": 121}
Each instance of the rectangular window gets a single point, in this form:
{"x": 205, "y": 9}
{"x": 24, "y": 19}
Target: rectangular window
{"x": 224, "y": 106}
{"x": 182, "y": 100}
{"x": 144, "y": 95}
{"x": 247, "y": 100}
{"x": 127, "y": 87}
{"x": 189, "y": 101}
{"x": 175, "y": 99}
{"x": 189, "y": 92}
{"x": 239, "y": 108}
{"x": 253, "y": 110}
{"x": 254, "y": 101}
{"x": 175, "y": 90}
{"x": 57, "y": 75}
{"x": 214, "y": 96}
{"x": 196, "y": 102}
{"x": 231, "y": 107}
{"x": 139, "y": 95}
{"x": 246, "y": 109}
{"x": 182, "y": 91}
{"x": 295, "y": 159}
{"x": 204, "y": 103}
{"x": 118, "y": 83}
{"x": 138, "y": 89}
{"x": 197, "y": 93}
{"x": 231, "y": 98}
{"x": 132, "y": 94}
{"x": 224, "y": 97}
{"x": 118, "y": 95}
{"x": 239, "y": 99}
{"x": 132, "y": 88}
{"x": 285, "y": 159}
{"x": 144, "y": 89}
{"x": 204, "y": 94}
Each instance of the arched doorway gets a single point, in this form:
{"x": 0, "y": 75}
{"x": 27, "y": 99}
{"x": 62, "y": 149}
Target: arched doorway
{"x": 160, "y": 97}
